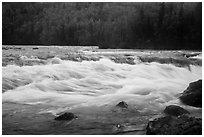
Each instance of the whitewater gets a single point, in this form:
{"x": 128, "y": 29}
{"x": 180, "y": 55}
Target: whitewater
{"x": 91, "y": 89}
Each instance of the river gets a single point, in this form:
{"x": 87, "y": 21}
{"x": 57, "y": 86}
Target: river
{"x": 39, "y": 83}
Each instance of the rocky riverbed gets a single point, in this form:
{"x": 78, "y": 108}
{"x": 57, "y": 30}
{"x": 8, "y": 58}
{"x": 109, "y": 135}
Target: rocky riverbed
{"x": 178, "y": 120}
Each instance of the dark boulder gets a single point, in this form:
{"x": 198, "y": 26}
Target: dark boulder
{"x": 174, "y": 110}
{"x": 182, "y": 125}
{"x": 66, "y": 116}
{"x": 122, "y": 108}
{"x": 192, "y": 96}
{"x": 122, "y": 104}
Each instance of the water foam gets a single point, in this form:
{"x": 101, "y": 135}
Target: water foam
{"x": 148, "y": 86}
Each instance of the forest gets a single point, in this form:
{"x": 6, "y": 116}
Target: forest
{"x": 134, "y": 25}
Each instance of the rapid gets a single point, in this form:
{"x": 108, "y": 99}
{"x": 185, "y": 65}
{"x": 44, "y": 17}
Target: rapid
{"x": 93, "y": 88}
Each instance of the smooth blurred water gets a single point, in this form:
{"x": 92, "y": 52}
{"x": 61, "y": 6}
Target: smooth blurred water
{"x": 97, "y": 86}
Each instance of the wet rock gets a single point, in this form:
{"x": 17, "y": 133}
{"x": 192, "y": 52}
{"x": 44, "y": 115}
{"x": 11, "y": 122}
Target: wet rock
{"x": 5, "y": 48}
{"x": 66, "y": 116}
{"x": 123, "y": 109}
{"x": 123, "y": 59}
{"x": 17, "y": 48}
{"x": 174, "y": 110}
{"x": 182, "y": 125}
{"x": 122, "y": 104}
{"x": 192, "y": 96}
{"x": 188, "y": 55}
{"x": 35, "y": 48}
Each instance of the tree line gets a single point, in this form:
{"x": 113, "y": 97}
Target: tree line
{"x": 157, "y": 25}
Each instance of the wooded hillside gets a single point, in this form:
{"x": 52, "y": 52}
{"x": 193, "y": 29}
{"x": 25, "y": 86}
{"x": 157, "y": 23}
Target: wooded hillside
{"x": 108, "y": 25}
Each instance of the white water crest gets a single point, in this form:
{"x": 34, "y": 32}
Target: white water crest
{"x": 197, "y": 57}
{"x": 147, "y": 86}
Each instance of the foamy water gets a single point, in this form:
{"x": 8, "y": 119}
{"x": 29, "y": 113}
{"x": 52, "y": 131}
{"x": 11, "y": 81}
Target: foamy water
{"x": 146, "y": 86}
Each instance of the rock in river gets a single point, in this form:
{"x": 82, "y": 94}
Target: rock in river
{"x": 122, "y": 104}
{"x": 174, "y": 110}
{"x": 181, "y": 125}
{"x": 66, "y": 116}
{"x": 192, "y": 96}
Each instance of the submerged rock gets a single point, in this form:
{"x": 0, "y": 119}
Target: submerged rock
{"x": 35, "y": 48}
{"x": 182, "y": 125}
{"x": 192, "y": 96}
{"x": 174, "y": 110}
{"x": 122, "y": 104}
{"x": 66, "y": 116}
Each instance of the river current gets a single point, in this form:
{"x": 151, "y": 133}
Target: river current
{"x": 91, "y": 89}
